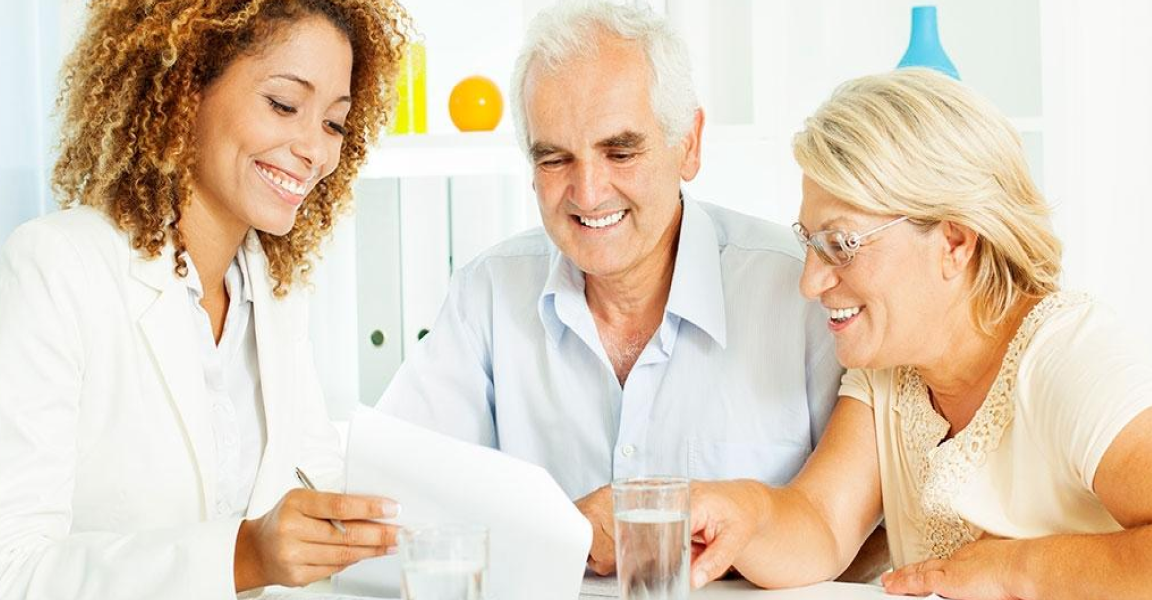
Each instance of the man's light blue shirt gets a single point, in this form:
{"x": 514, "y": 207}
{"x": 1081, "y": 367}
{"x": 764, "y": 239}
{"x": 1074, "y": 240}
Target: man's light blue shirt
{"x": 738, "y": 381}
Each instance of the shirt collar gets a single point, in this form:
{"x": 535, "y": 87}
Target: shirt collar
{"x": 696, "y": 295}
{"x": 241, "y": 263}
{"x": 563, "y": 293}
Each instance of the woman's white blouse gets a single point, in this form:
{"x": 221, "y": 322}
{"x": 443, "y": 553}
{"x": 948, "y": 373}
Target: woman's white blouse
{"x": 1025, "y": 466}
{"x": 232, "y": 383}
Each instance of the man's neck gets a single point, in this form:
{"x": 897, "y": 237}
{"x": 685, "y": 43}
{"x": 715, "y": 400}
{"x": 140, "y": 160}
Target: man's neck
{"x": 628, "y": 307}
{"x": 639, "y": 292}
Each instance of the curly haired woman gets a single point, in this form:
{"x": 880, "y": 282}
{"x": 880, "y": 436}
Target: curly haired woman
{"x": 156, "y": 378}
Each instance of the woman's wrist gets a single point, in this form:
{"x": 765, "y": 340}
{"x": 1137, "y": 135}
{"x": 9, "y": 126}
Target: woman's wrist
{"x": 1021, "y": 573}
{"x": 246, "y": 571}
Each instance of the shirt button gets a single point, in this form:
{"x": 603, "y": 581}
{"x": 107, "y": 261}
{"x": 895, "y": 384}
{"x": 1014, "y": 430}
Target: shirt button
{"x": 628, "y": 450}
{"x": 222, "y": 508}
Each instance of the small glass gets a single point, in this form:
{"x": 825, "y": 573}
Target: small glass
{"x": 443, "y": 562}
{"x": 652, "y": 549}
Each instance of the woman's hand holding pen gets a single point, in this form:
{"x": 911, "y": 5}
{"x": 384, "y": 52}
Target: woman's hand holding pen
{"x": 295, "y": 543}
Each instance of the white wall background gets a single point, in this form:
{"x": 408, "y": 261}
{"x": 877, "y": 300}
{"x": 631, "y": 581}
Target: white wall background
{"x": 30, "y": 49}
{"x": 1097, "y": 79}
{"x": 1075, "y": 75}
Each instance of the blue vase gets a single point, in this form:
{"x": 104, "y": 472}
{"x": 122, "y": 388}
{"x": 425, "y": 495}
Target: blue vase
{"x": 924, "y": 49}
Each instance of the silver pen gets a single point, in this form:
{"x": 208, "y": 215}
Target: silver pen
{"x": 307, "y": 483}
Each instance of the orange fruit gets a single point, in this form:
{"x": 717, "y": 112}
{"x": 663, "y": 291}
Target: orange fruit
{"x": 475, "y": 104}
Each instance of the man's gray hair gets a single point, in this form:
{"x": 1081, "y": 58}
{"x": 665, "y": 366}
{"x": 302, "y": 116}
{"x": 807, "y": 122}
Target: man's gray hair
{"x": 570, "y": 28}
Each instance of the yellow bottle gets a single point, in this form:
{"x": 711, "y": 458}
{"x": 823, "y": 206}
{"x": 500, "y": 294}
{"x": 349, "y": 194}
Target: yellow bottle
{"x": 411, "y": 91}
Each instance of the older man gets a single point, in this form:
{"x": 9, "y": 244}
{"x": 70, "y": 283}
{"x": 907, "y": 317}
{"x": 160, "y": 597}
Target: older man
{"x": 640, "y": 332}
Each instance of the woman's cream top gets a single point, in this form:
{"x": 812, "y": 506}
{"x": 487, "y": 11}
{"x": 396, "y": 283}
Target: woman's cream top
{"x": 1024, "y": 466}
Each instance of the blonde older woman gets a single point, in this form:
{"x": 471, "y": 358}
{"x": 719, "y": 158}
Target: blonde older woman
{"x": 1000, "y": 426}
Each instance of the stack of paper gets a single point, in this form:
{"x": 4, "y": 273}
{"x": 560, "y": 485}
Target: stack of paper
{"x": 538, "y": 540}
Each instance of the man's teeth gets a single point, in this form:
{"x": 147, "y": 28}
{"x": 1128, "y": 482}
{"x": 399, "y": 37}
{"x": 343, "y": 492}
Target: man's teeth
{"x": 843, "y": 314}
{"x": 287, "y": 185}
{"x": 611, "y": 219}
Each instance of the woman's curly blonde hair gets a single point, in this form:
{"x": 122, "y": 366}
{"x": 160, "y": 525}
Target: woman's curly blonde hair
{"x": 129, "y": 100}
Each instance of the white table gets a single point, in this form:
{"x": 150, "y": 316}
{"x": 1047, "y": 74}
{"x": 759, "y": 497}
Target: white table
{"x": 718, "y": 590}
{"x": 742, "y": 590}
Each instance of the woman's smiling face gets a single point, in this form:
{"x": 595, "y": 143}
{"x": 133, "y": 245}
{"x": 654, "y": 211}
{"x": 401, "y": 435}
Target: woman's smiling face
{"x": 271, "y": 126}
{"x": 885, "y": 306}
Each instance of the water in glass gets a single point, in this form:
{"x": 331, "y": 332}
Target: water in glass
{"x": 653, "y": 549}
{"x": 443, "y": 580}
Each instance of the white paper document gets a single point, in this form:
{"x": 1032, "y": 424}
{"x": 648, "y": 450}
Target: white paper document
{"x": 538, "y": 540}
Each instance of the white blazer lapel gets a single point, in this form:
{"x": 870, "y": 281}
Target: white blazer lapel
{"x": 168, "y": 327}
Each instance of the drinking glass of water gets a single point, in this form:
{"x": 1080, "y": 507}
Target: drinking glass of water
{"x": 652, "y": 549}
{"x": 443, "y": 562}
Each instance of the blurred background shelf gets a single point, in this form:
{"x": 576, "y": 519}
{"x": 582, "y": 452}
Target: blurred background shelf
{"x": 1073, "y": 76}
{"x": 429, "y": 203}
{"x": 434, "y": 155}
{"x": 496, "y": 152}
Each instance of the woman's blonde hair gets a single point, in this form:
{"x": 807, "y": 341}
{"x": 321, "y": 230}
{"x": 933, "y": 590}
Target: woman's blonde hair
{"x": 130, "y": 94}
{"x": 914, "y": 142}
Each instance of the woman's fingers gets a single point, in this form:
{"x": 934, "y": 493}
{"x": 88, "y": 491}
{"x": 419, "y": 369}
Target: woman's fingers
{"x": 715, "y": 559}
{"x": 915, "y": 579}
{"x": 356, "y": 533}
{"x": 325, "y": 505}
{"x": 333, "y": 555}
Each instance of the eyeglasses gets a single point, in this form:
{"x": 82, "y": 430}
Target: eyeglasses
{"x": 836, "y": 246}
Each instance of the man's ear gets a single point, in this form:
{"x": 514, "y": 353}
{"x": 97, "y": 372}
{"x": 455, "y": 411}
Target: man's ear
{"x": 690, "y": 162}
{"x": 959, "y": 248}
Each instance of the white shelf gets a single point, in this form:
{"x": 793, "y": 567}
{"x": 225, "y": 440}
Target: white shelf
{"x": 483, "y": 153}
{"x": 486, "y": 153}
{"x": 444, "y": 155}
{"x": 470, "y": 139}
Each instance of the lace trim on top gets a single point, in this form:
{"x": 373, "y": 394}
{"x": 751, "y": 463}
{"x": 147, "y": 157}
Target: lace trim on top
{"x": 941, "y": 470}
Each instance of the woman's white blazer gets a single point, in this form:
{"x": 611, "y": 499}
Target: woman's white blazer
{"x": 107, "y": 455}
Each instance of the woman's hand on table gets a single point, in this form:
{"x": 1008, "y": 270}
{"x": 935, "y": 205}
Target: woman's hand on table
{"x": 981, "y": 570}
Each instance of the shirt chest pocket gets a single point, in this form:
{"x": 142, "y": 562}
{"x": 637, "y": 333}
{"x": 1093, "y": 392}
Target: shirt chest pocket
{"x": 771, "y": 463}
